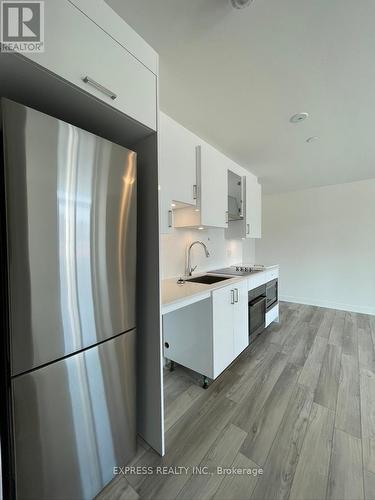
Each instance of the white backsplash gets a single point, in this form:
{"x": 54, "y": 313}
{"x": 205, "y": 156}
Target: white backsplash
{"x": 223, "y": 252}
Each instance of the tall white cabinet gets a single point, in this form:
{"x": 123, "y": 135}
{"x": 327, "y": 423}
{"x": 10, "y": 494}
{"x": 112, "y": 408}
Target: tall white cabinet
{"x": 95, "y": 63}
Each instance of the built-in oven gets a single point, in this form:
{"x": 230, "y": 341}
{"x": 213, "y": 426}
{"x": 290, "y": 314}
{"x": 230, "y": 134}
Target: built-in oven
{"x": 257, "y": 311}
{"x": 271, "y": 294}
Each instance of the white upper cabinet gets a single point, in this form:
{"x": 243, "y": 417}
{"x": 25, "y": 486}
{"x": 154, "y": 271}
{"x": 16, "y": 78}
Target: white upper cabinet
{"x": 251, "y": 224}
{"x": 177, "y": 170}
{"x": 213, "y": 186}
{"x": 253, "y": 203}
{"x": 177, "y": 161}
{"x": 211, "y": 208}
{"x": 82, "y": 53}
{"x": 194, "y": 187}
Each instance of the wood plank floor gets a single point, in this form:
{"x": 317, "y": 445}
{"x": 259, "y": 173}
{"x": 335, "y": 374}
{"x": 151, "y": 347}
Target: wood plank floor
{"x": 296, "y": 410}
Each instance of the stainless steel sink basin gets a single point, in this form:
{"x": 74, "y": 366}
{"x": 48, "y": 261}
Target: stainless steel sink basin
{"x": 208, "y": 279}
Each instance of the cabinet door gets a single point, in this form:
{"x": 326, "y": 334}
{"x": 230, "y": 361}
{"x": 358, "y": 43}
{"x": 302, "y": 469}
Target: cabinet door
{"x": 213, "y": 187}
{"x": 253, "y": 208}
{"x": 76, "y": 48}
{"x": 223, "y": 348}
{"x": 177, "y": 161}
{"x": 240, "y": 318}
{"x": 104, "y": 16}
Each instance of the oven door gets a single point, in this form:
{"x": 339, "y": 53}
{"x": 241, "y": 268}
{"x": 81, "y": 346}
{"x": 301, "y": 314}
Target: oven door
{"x": 257, "y": 316}
{"x": 272, "y": 294}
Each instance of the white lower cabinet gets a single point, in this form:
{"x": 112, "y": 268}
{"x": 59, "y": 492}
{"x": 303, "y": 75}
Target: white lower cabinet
{"x": 230, "y": 325}
{"x": 223, "y": 305}
{"x": 241, "y": 319}
{"x": 208, "y": 335}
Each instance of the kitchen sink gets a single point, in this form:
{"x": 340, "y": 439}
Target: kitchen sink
{"x": 208, "y": 279}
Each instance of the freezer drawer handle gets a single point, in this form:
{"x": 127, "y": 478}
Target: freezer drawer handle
{"x": 236, "y": 289}
{"x": 100, "y": 87}
{"x": 232, "y": 297}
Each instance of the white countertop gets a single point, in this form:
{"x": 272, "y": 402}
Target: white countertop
{"x": 175, "y": 296}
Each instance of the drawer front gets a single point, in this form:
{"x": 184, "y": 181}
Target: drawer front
{"x": 76, "y": 48}
{"x": 257, "y": 280}
{"x": 272, "y": 274}
{"x": 272, "y": 315}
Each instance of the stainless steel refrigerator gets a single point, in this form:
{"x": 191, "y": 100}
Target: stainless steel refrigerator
{"x": 68, "y": 302}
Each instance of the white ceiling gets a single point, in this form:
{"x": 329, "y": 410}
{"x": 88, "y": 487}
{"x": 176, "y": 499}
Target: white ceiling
{"x": 235, "y": 77}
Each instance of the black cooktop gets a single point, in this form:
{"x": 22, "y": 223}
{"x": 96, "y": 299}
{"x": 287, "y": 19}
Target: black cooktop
{"x": 236, "y": 270}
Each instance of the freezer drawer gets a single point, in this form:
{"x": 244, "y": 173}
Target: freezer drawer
{"x": 74, "y": 421}
{"x": 71, "y": 226}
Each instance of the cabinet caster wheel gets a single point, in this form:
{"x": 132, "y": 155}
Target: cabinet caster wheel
{"x": 205, "y": 383}
{"x": 171, "y": 366}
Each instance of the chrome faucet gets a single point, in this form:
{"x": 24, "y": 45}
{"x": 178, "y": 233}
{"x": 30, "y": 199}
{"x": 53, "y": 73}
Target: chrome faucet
{"x": 189, "y": 269}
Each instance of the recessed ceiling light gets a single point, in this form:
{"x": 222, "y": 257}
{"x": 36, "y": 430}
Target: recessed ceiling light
{"x": 240, "y": 4}
{"x": 200, "y": 228}
{"x": 173, "y": 204}
{"x": 312, "y": 139}
{"x": 299, "y": 117}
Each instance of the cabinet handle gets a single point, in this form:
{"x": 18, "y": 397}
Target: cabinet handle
{"x": 169, "y": 218}
{"x": 100, "y": 87}
{"x": 247, "y": 228}
{"x": 236, "y": 300}
{"x": 195, "y": 192}
{"x": 227, "y": 217}
{"x": 232, "y": 296}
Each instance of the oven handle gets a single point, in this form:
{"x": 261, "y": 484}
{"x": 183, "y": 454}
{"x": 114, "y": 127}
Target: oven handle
{"x": 256, "y": 301}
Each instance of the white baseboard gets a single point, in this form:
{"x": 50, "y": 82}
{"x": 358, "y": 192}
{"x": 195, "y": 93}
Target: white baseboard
{"x": 328, "y": 304}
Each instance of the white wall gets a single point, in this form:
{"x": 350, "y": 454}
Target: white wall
{"x": 222, "y": 252}
{"x": 324, "y": 241}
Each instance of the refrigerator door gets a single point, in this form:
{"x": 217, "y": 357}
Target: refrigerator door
{"x": 71, "y": 221}
{"x": 74, "y": 421}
